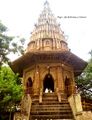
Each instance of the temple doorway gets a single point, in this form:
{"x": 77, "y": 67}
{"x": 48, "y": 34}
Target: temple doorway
{"x": 29, "y": 86}
{"x": 48, "y": 84}
{"x": 67, "y": 87}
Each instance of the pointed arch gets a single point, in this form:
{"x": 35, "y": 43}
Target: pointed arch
{"x": 29, "y": 82}
{"x": 29, "y": 85}
{"x": 48, "y": 83}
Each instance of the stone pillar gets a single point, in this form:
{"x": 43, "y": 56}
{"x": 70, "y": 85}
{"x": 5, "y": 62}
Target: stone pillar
{"x": 36, "y": 81}
{"x": 59, "y": 78}
{"x": 60, "y": 84}
{"x": 73, "y": 85}
{"x": 40, "y": 96}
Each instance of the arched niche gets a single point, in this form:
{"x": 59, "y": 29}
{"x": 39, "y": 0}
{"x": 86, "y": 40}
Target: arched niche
{"x": 48, "y": 83}
{"x": 63, "y": 45}
{"x": 68, "y": 86}
{"x": 32, "y": 45}
{"x": 29, "y": 85}
{"x": 47, "y": 44}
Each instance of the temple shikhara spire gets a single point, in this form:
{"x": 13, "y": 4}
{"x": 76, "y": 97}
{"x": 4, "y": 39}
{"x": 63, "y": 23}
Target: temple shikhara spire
{"x": 47, "y": 34}
{"x": 48, "y": 70}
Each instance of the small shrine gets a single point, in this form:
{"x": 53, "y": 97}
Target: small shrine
{"x": 48, "y": 68}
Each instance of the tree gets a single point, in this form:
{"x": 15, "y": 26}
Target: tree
{"x": 10, "y": 83}
{"x": 10, "y": 91}
{"x": 84, "y": 81}
{"x": 8, "y": 45}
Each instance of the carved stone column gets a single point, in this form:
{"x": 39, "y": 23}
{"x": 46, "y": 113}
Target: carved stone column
{"x": 60, "y": 86}
{"x": 36, "y": 81}
{"x": 73, "y": 87}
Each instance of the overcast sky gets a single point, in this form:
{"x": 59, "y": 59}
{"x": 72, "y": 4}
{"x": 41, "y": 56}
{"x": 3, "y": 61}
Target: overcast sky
{"x": 21, "y": 15}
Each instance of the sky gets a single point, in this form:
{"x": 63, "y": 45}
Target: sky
{"x": 75, "y": 18}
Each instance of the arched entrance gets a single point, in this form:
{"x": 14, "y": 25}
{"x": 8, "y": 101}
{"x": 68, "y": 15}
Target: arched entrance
{"x": 48, "y": 84}
{"x": 29, "y": 86}
{"x": 67, "y": 87}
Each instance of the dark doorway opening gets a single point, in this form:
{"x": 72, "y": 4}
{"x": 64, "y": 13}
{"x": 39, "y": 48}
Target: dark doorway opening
{"x": 48, "y": 84}
{"x": 67, "y": 87}
{"x": 29, "y": 86}
{"x": 29, "y": 82}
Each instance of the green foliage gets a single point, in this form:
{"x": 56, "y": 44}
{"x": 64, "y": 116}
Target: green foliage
{"x": 84, "y": 81}
{"x": 2, "y": 28}
{"x": 8, "y": 45}
{"x": 10, "y": 83}
{"x": 10, "y": 89}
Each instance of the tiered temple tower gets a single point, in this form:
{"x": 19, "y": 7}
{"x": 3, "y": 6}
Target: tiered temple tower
{"x": 48, "y": 69}
{"x": 47, "y": 35}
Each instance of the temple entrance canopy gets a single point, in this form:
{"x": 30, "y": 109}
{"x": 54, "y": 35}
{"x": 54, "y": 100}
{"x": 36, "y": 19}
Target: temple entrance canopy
{"x": 48, "y": 84}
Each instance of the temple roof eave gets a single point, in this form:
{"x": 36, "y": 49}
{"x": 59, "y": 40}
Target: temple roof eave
{"x": 31, "y": 58}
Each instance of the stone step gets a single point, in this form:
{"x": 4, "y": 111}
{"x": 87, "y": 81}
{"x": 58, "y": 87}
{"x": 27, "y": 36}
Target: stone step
{"x": 50, "y": 94}
{"x": 63, "y": 110}
{"x": 50, "y": 100}
{"x": 46, "y": 95}
{"x": 66, "y": 106}
{"x": 46, "y": 100}
{"x": 50, "y": 116}
{"x": 50, "y": 119}
{"x": 52, "y": 111}
{"x": 50, "y": 108}
{"x": 50, "y": 103}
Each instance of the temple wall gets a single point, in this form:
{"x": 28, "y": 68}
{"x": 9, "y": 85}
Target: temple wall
{"x": 76, "y": 106}
{"x": 86, "y": 115}
{"x": 58, "y": 71}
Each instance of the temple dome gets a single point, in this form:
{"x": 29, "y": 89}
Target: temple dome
{"x": 47, "y": 34}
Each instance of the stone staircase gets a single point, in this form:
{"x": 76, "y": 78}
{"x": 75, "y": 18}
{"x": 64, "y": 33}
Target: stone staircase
{"x": 50, "y": 108}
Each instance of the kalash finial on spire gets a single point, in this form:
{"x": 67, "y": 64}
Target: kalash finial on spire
{"x": 46, "y": 4}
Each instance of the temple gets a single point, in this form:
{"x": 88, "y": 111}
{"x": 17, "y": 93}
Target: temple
{"x": 48, "y": 69}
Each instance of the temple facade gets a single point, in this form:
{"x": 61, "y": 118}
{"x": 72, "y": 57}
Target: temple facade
{"x": 48, "y": 69}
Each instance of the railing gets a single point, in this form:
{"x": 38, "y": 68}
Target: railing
{"x": 24, "y": 114}
{"x": 87, "y": 104}
{"x": 26, "y": 106}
